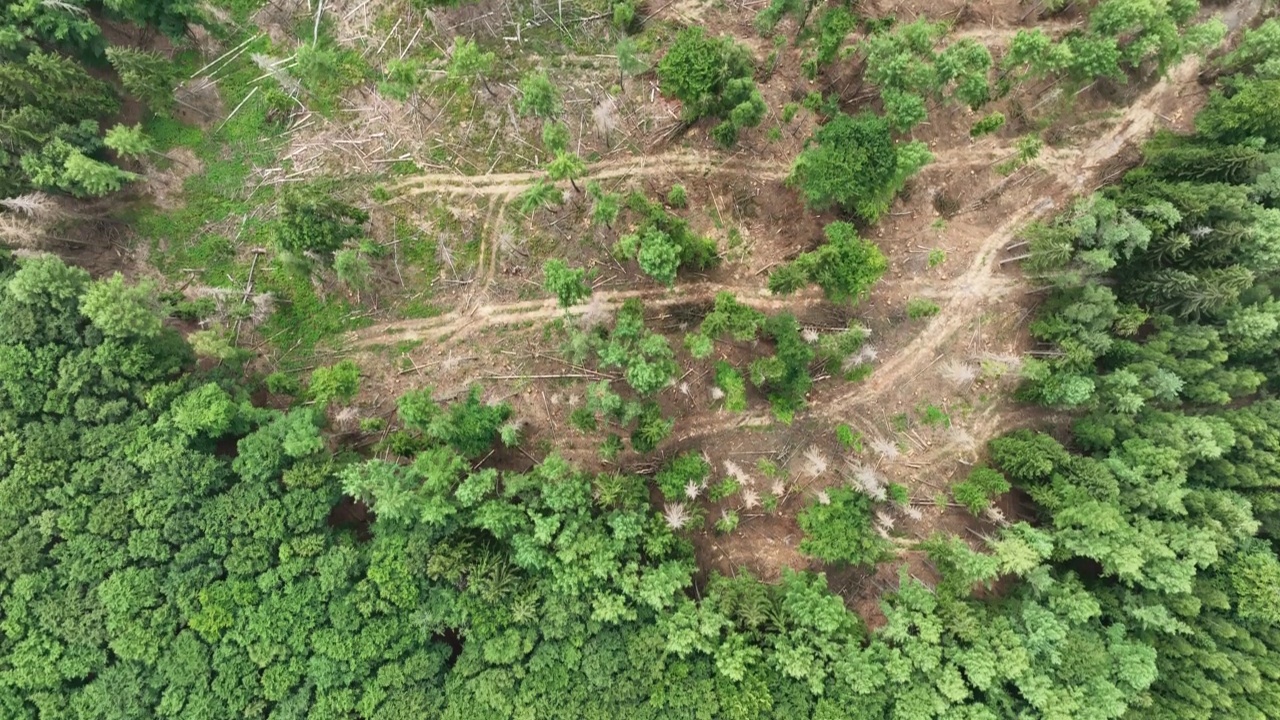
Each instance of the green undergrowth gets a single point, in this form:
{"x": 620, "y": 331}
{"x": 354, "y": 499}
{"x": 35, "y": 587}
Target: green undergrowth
{"x": 223, "y": 211}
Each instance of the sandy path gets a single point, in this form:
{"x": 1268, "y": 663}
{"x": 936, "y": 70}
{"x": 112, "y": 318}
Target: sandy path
{"x": 675, "y": 162}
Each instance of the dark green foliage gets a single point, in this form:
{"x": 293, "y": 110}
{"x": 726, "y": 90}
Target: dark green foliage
{"x": 1244, "y": 108}
{"x": 785, "y": 375}
{"x": 852, "y": 162}
{"x": 146, "y": 76}
{"x": 711, "y": 77}
{"x": 470, "y": 427}
{"x": 841, "y": 531}
{"x": 311, "y": 220}
{"x": 845, "y": 267}
{"x": 168, "y": 577}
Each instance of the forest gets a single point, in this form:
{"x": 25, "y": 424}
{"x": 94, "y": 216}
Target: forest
{"x": 247, "y": 497}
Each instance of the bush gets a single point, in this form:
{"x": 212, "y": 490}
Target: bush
{"x": 987, "y": 125}
{"x": 568, "y": 284}
{"x": 920, "y": 308}
{"x": 538, "y": 96}
{"x": 336, "y": 382}
{"x": 677, "y": 198}
{"x": 978, "y": 489}
{"x": 845, "y": 267}
{"x": 840, "y": 531}
{"x": 853, "y": 163}
{"x": 313, "y": 221}
{"x": 711, "y": 77}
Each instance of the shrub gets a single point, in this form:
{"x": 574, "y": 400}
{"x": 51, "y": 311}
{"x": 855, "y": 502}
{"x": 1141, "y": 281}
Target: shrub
{"x": 978, "y": 489}
{"x": 920, "y": 308}
{"x": 840, "y": 531}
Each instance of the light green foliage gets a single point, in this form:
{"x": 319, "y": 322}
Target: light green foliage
{"x": 731, "y": 383}
{"x": 840, "y": 531}
{"x": 727, "y": 317}
{"x": 120, "y": 310}
{"x": 538, "y": 96}
{"x": 904, "y": 64}
{"x": 937, "y": 256}
{"x": 845, "y": 267}
{"x": 677, "y": 197}
{"x": 646, "y": 358}
{"x": 605, "y": 206}
{"x": 630, "y": 62}
{"x": 684, "y": 471}
{"x": 402, "y": 79}
{"x": 566, "y": 166}
{"x": 624, "y": 14}
{"x": 311, "y": 220}
{"x": 849, "y": 438}
{"x": 46, "y": 280}
{"x": 1258, "y": 52}
{"x": 654, "y": 250}
{"x": 128, "y": 141}
{"x": 540, "y": 194}
{"x": 988, "y": 124}
{"x": 468, "y": 63}
{"x": 663, "y": 243}
{"x": 918, "y": 308}
{"x": 852, "y": 162}
{"x": 338, "y": 382}
{"x": 568, "y": 284}
{"x": 834, "y": 25}
{"x": 711, "y": 77}
{"x": 1026, "y": 149}
{"x": 352, "y": 268}
{"x": 978, "y": 488}
{"x": 767, "y": 19}
{"x": 727, "y": 522}
{"x": 555, "y": 136}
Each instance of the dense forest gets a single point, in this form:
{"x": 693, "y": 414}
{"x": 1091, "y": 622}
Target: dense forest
{"x": 173, "y": 545}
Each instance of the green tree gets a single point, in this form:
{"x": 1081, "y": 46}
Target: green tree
{"x": 555, "y": 136}
{"x": 311, "y": 220}
{"x": 568, "y": 284}
{"x": 338, "y": 382}
{"x": 538, "y": 96}
{"x": 840, "y": 530}
{"x": 539, "y": 195}
{"x": 128, "y": 141}
{"x": 845, "y": 267}
{"x": 468, "y": 63}
{"x": 852, "y": 162}
{"x": 566, "y": 166}
{"x": 120, "y": 310}
{"x": 146, "y": 76}
{"x": 712, "y": 77}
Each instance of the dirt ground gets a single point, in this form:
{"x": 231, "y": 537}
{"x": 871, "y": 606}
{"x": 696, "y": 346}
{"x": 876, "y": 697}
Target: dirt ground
{"x": 492, "y": 328}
